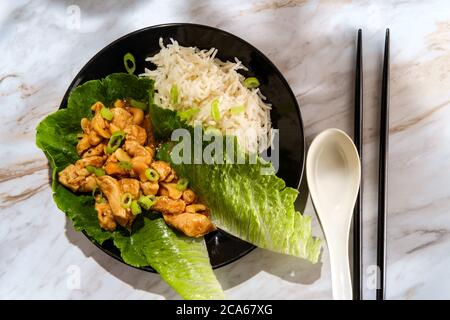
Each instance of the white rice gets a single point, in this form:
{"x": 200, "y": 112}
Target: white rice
{"x": 201, "y": 78}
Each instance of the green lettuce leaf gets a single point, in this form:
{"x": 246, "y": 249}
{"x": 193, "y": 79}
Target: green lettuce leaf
{"x": 182, "y": 262}
{"x": 254, "y": 207}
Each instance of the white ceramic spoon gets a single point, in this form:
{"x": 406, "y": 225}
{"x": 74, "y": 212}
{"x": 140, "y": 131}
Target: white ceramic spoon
{"x": 333, "y": 171}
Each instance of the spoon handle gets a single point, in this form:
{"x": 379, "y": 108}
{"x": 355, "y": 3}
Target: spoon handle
{"x": 340, "y": 268}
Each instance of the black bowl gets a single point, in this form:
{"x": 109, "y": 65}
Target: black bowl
{"x": 223, "y": 248}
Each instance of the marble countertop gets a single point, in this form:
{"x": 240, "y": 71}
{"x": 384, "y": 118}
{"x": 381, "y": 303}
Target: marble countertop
{"x": 45, "y": 43}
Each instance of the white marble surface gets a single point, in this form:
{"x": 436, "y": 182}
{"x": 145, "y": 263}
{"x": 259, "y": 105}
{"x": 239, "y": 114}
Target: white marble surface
{"x": 312, "y": 43}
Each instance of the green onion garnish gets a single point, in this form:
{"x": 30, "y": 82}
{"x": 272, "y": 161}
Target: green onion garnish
{"x": 146, "y": 202}
{"x": 188, "y": 114}
{"x": 215, "y": 113}
{"x": 251, "y": 83}
{"x": 106, "y": 113}
{"x": 135, "y": 208}
{"x": 182, "y": 184}
{"x": 129, "y": 58}
{"x": 115, "y": 141}
{"x": 125, "y": 200}
{"x": 125, "y": 165}
{"x": 174, "y": 95}
{"x": 90, "y": 169}
{"x": 97, "y": 192}
{"x": 152, "y": 174}
{"x": 97, "y": 171}
{"x": 237, "y": 110}
{"x": 138, "y": 104}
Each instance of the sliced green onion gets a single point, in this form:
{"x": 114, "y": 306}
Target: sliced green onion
{"x": 146, "y": 202}
{"x": 174, "y": 95}
{"x": 151, "y": 174}
{"x": 135, "y": 208}
{"x": 182, "y": 184}
{"x": 97, "y": 192}
{"x": 118, "y": 133}
{"x": 106, "y": 113}
{"x": 215, "y": 113}
{"x": 109, "y": 150}
{"x": 251, "y": 83}
{"x": 188, "y": 114}
{"x": 125, "y": 200}
{"x": 90, "y": 169}
{"x": 97, "y": 171}
{"x": 115, "y": 141}
{"x": 237, "y": 110}
{"x": 138, "y": 104}
{"x": 125, "y": 165}
{"x": 129, "y": 58}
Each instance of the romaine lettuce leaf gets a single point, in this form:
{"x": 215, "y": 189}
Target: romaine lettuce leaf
{"x": 254, "y": 207}
{"x": 182, "y": 262}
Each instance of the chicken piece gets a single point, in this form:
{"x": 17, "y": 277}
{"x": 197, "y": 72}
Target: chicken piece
{"x": 165, "y": 205}
{"x": 100, "y": 125}
{"x": 191, "y": 224}
{"x": 113, "y": 168}
{"x": 96, "y": 107}
{"x": 94, "y": 138}
{"x": 149, "y": 188}
{"x": 105, "y": 216}
{"x": 171, "y": 176}
{"x": 119, "y": 103}
{"x": 134, "y": 149}
{"x": 75, "y": 178}
{"x": 95, "y": 161}
{"x": 89, "y": 184}
{"x": 121, "y": 155}
{"x": 110, "y": 187}
{"x": 98, "y": 150}
{"x": 163, "y": 192}
{"x": 147, "y": 125}
{"x": 139, "y": 167}
{"x": 138, "y": 115}
{"x": 131, "y": 186}
{"x": 113, "y": 128}
{"x": 172, "y": 190}
{"x": 142, "y": 157}
{"x": 136, "y": 133}
{"x": 85, "y": 125}
{"x": 197, "y": 208}
{"x": 162, "y": 168}
{"x": 121, "y": 118}
{"x": 83, "y": 144}
{"x": 189, "y": 196}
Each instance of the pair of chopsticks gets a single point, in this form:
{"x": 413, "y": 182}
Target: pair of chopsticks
{"x": 382, "y": 174}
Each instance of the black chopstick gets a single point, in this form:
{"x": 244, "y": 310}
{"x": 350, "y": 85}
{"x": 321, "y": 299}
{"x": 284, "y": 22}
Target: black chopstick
{"x": 357, "y": 214}
{"x": 382, "y": 178}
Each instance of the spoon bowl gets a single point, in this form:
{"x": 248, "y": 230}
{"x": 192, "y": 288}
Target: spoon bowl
{"x": 333, "y": 172}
